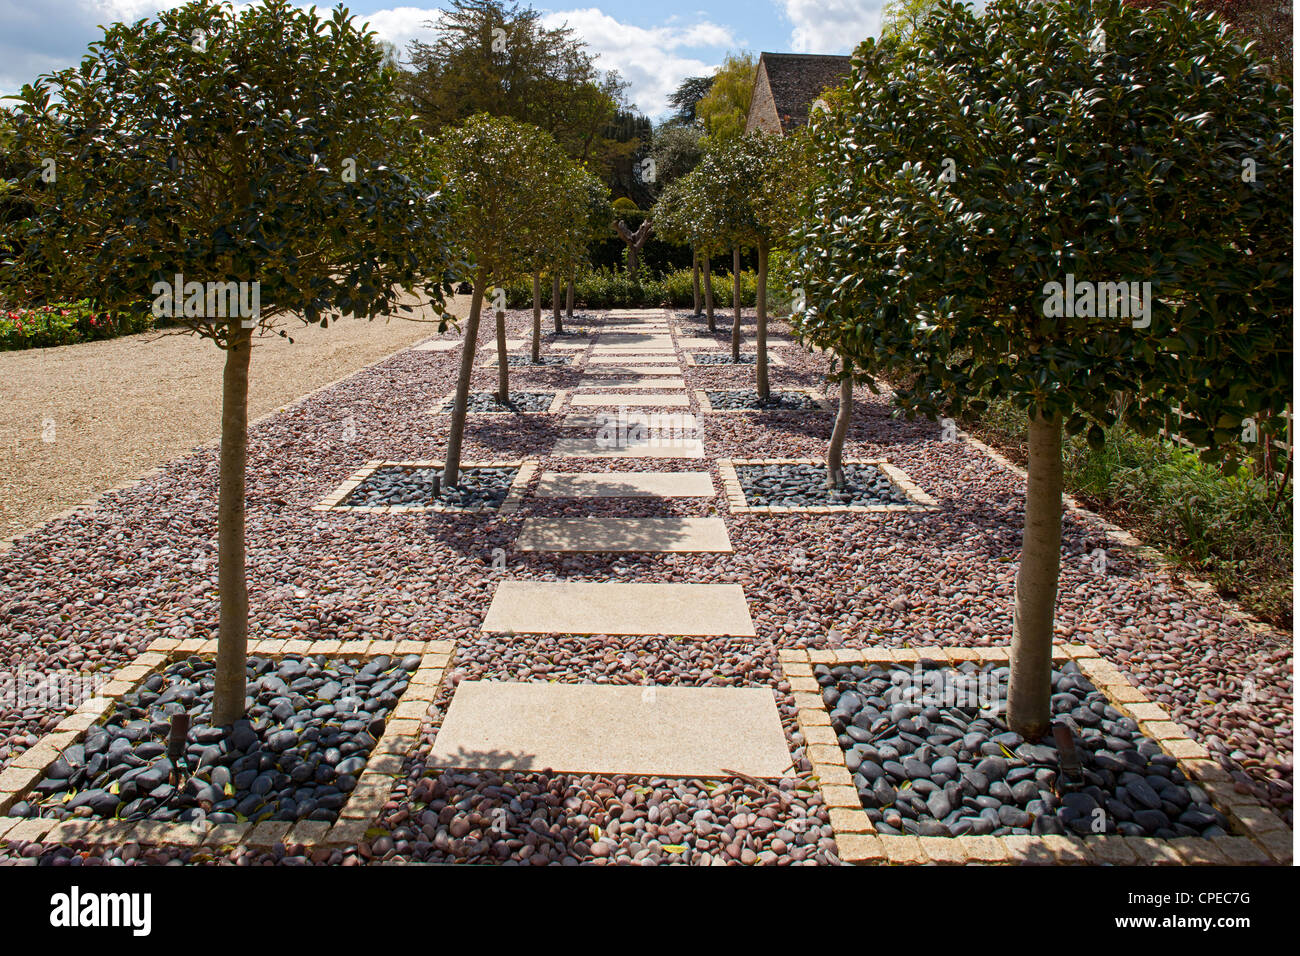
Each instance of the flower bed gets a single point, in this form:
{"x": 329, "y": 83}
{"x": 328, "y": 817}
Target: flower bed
{"x": 64, "y": 323}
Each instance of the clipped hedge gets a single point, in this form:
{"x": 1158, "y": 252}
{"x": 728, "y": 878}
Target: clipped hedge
{"x": 65, "y": 323}
{"x": 612, "y": 289}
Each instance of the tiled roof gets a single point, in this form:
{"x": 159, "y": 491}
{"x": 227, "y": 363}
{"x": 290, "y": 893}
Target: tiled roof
{"x": 797, "y": 79}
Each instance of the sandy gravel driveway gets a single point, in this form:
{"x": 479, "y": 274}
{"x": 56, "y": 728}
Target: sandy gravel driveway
{"x": 79, "y": 419}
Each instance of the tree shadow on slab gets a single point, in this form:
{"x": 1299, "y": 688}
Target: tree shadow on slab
{"x": 468, "y": 761}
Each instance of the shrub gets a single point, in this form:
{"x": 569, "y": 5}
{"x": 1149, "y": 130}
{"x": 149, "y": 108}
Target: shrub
{"x": 65, "y": 323}
{"x": 1232, "y": 527}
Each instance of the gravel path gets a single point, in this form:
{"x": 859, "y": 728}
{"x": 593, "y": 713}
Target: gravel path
{"x": 79, "y": 419}
{"x": 91, "y": 590}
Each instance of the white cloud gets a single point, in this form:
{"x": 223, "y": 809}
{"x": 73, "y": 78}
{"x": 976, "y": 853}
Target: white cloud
{"x": 53, "y": 34}
{"x": 653, "y": 60}
{"x": 831, "y": 26}
{"x": 400, "y": 25}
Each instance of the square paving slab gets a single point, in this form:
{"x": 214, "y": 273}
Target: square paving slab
{"x": 633, "y": 370}
{"x": 652, "y": 447}
{"x": 618, "y": 358}
{"x": 625, "y": 484}
{"x": 627, "y": 399}
{"x": 581, "y": 607}
{"x": 654, "y": 421}
{"x": 658, "y": 535}
{"x": 600, "y": 728}
{"x": 438, "y": 345}
{"x": 636, "y": 381}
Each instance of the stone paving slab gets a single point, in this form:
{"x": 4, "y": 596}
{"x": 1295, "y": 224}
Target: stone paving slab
{"x": 635, "y": 381}
{"x": 438, "y": 345}
{"x": 655, "y": 535}
{"x": 601, "y": 728}
{"x": 625, "y": 484}
{"x": 616, "y": 348}
{"x": 673, "y": 447}
{"x": 746, "y": 343}
{"x": 650, "y": 370}
{"x": 597, "y": 399}
{"x": 618, "y": 358}
{"x": 580, "y": 607}
{"x": 654, "y": 421}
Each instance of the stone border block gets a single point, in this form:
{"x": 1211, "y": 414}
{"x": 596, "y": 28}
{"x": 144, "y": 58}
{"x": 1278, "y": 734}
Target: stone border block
{"x": 772, "y": 359}
{"x": 556, "y": 403}
{"x": 514, "y": 498}
{"x": 738, "y": 504}
{"x": 1261, "y": 836}
{"x": 364, "y": 803}
{"x": 706, "y": 407}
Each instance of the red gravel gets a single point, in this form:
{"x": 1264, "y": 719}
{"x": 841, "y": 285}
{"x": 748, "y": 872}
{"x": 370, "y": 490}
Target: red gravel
{"x": 856, "y": 580}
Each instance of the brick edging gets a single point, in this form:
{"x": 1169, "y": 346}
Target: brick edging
{"x": 689, "y": 357}
{"x": 527, "y": 468}
{"x": 450, "y": 398}
{"x": 736, "y": 501}
{"x": 363, "y": 804}
{"x": 1263, "y": 838}
{"x": 819, "y": 402}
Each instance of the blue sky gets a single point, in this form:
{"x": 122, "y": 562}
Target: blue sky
{"x": 654, "y": 45}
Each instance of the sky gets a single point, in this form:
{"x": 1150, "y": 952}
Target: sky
{"x": 654, "y": 45}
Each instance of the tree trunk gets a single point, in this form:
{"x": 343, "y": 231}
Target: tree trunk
{"x": 555, "y": 303}
{"x": 503, "y": 362}
{"x": 735, "y": 303}
{"x": 451, "y": 471}
{"x": 843, "y": 418}
{"x": 232, "y": 578}
{"x": 568, "y": 298}
{"x": 1030, "y": 688}
{"x": 695, "y": 279}
{"x": 708, "y": 293}
{"x": 760, "y": 328}
{"x": 537, "y": 317}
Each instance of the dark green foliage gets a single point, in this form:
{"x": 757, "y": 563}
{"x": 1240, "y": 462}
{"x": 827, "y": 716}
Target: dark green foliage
{"x": 1115, "y": 165}
{"x": 214, "y": 145}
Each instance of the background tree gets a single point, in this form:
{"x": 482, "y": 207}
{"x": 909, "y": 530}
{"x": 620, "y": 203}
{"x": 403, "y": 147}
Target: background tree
{"x": 689, "y": 213}
{"x": 687, "y": 96}
{"x": 900, "y": 18}
{"x": 676, "y": 151}
{"x": 752, "y": 185}
{"x": 725, "y": 108}
{"x": 495, "y": 170}
{"x": 587, "y": 217}
{"x": 1188, "y": 187}
{"x": 1268, "y": 23}
{"x": 491, "y": 57}
{"x": 250, "y": 147}
{"x": 624, "y": 144}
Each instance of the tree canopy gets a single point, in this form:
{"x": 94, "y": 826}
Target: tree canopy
{"x": 687, "y": 95}
{"x": 490, "y": 57}
{"x": 1096, "y": 216}
{"x": 725, "y": 108}
{"x": 249, "y": 158}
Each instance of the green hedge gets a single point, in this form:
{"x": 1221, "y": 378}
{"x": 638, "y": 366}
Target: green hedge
{"x": 64, "y": 323}
{"x": 612, "y": 289}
